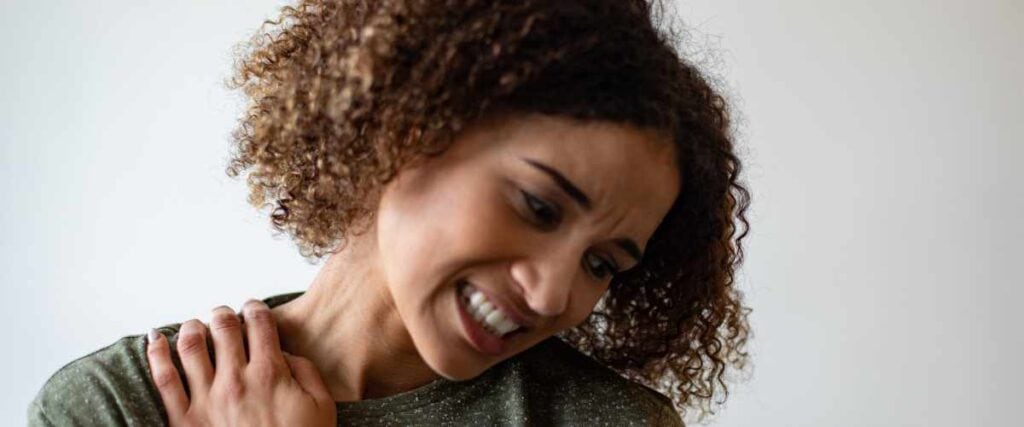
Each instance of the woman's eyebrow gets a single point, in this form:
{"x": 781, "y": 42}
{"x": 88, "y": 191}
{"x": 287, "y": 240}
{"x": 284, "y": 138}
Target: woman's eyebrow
{"x": 571, "y": 189}
{"x": 581, "y": 198}
{"x": 630, "y": 247}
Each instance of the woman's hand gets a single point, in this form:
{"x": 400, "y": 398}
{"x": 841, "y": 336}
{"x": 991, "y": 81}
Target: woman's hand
{"x": 271, "y": 388}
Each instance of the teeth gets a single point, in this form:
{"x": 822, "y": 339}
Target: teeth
{"x": 475, "y": 297}
{"x": 485, "y": 309}
{"x": 491, "y": 318}
{"x": 494, "y": 318}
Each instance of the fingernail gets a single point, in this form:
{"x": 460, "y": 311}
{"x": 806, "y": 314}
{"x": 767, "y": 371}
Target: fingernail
{"x": 154, "y": 335}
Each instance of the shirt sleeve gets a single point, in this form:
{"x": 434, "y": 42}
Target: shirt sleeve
{"x": 662, "y": 409}
{"x": 111, "y": 386}
{"x": 669, "y": 417}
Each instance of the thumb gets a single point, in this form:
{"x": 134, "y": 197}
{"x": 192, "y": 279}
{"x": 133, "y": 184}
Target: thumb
{"x": 309, "y": 379}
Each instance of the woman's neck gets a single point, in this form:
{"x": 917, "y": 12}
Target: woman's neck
{"x": 348, "y": 326}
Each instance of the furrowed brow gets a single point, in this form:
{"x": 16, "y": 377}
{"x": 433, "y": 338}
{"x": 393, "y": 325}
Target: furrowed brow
{"x": 567, "y": 186}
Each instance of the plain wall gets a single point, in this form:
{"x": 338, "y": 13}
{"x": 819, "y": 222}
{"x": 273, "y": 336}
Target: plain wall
{"x": 880, "y": 141}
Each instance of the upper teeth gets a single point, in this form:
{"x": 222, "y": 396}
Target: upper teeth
{"x": 486, "y": 313}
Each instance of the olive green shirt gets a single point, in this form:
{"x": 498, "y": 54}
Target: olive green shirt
{"x": 549, "y": 384}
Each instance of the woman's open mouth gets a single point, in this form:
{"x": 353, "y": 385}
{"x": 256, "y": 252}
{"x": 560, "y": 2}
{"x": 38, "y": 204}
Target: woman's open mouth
{"x": 487, "y": 327}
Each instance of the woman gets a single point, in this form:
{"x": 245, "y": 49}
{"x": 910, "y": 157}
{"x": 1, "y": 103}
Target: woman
{"x": 531, "y": 215}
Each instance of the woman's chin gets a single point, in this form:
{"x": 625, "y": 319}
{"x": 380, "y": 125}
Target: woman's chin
{"x": 456, "y": 367}
{"x": 461, "y": 375}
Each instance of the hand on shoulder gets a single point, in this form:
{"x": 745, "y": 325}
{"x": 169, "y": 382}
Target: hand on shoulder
{"x": 265, "y": 387}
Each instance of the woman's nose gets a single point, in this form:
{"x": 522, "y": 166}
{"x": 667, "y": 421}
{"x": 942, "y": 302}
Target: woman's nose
{"x": 546, "y": 282}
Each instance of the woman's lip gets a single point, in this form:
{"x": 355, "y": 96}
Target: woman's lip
{"x": 482, "y": 340}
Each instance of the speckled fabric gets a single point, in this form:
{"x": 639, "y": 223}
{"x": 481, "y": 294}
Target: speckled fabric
{"x": 550, "y": 384}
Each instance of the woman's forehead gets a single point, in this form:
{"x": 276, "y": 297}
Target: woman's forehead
{"x": 600, "y": 155}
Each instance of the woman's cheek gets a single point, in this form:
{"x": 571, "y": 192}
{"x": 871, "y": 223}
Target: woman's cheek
{"x": 583, "y": 308}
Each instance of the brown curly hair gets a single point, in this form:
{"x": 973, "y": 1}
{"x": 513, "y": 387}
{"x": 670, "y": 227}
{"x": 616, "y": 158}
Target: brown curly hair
{"x": 344, "y": 93}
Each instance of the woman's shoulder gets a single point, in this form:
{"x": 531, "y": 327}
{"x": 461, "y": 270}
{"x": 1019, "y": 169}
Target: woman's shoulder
{"x": 110, "y": 386}
{"x": 583, "y": 389}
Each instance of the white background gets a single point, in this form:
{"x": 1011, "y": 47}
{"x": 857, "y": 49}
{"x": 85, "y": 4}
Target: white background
{"x": 880, "y": 137}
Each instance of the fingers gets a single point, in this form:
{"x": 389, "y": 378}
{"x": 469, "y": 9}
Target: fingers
{"x": 195, "y": 357}
{"x": 226, "y": 330}
{"x": 165, "y": 376}
{"x": 308, "y": 377}
{"x": 261, "y": 333}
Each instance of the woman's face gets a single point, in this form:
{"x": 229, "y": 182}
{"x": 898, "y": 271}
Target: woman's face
{"x": 523, "y": 218}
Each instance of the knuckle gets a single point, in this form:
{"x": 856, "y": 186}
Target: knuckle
{"x": 259, "y": 315}
{"x": 224, "y": 319}
{"x": 265, "y": 373}
{"x": 156, "y": 349}
{"x": 190, "y": 343}
{"x": 192, "y": 326}
{"x": 254, "y": 303}
{"x": 257, "y": 312}
{"x": 231, "y": 388}
{"x": 191, "y": 338}
{"x": 164, "y": 377}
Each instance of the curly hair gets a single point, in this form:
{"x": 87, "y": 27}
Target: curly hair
{"x": 342, "y": 94}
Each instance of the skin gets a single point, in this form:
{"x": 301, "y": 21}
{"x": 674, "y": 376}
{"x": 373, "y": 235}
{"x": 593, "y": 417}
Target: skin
{"x": 381, "y": 317}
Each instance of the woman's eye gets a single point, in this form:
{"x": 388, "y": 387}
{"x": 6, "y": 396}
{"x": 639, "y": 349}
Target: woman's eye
{"x": 599, "y": 267}
{"x": 544, "y": 212}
